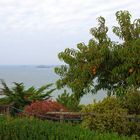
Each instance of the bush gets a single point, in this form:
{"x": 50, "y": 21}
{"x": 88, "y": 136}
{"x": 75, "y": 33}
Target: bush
{"x": 131, "y": 101}
{"x": 109, "y": 116}
{"x": 38, "y": 108}
{"x": 134, "y": 128}
{"x": 34, "y": 129}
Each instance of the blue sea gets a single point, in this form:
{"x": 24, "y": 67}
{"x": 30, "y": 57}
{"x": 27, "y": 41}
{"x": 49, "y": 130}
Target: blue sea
{"x": 37, "y": 76}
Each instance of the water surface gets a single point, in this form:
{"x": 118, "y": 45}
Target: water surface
{"x": 38, "y": 76}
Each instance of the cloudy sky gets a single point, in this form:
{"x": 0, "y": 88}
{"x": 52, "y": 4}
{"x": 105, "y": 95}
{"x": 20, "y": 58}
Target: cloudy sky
{"x": 35, "y": 31}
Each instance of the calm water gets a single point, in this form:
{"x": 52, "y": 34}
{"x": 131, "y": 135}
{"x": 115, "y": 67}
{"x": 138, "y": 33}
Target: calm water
{"x": 34, "y": 76}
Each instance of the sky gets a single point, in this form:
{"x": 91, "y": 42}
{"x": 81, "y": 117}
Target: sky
{"x": 33, "y": 32}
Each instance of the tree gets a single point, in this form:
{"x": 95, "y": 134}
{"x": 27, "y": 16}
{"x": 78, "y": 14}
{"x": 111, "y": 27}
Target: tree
{"x": 69, "y": 101}
{"x": 18, "y": 97}
{"x": 102, "y": 63}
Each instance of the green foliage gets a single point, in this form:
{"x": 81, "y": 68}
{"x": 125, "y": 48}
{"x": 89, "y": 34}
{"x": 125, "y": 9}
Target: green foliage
{"x": 112, "y": 113}
{"x": 69, "y": 101}
{"x": 19, "y": 97}
{"x": 131, "y": 101}
{"x": 108, "y": 116}
{"x": 134, "y": 128}
{"x": 33, "y": 129}
{"x": 112, "y": 64}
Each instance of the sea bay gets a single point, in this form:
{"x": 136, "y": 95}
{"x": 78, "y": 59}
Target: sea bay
{"x": 37, "y": 76}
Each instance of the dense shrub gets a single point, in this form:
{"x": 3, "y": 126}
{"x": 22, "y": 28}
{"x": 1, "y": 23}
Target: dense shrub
{"x": 131, "y": 101}
{"x": 134, "y": 128}
{"x": 34, "y": 129}
{"x": 42, "y": 107}
{"x": 109, "y": 116}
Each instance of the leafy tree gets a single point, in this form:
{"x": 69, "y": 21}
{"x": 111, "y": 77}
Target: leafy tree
{"x": 103, "y": 63}
{"x": 18, "y": 96}
{"x": 69, "y": 101}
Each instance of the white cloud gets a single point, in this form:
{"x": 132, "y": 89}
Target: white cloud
{"x": 44, "y": 14}
{"x": 49, "y": 26}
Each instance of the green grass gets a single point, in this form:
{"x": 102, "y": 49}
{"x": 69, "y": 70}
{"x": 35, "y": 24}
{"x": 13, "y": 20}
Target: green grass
{"x": 34, "y": 129}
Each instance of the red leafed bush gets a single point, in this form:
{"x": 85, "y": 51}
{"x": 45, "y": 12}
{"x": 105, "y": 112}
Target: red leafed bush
{"x": 38, "y": 108}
